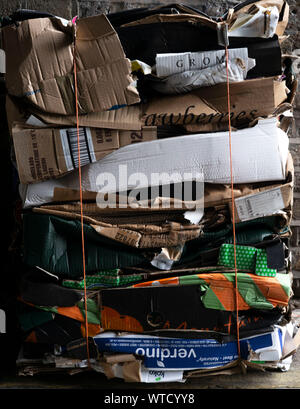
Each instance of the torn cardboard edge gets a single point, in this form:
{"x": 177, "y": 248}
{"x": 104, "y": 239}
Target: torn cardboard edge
{"x": 204, "y": 109}
{"x": 238, "y": 365}
{"x": 131, "y": 369}
{"x": 92, "y": 215}
{"x": 45, "y": 83}
{"x": 249, "y": 99}
{"x": 121, "y": 204}
{"x": 134, "y": 235}
{"x": 192, "y": 16}
{"x": 125, "y": 118}
{"x": 174, "y": 18}
{"x": 281, "y": 5}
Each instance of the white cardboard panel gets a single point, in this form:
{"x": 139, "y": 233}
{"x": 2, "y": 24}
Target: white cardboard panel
{"x": 259, "y": 154}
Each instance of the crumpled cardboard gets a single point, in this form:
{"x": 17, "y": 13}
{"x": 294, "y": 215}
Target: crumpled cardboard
{"x": 36, "y": 48}
{"x": 135, "y": 234}
{"x": 203, "y": 109}
{"x": 209, "y": 106}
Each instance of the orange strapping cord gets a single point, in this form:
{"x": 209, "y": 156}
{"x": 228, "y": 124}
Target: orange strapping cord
{"x": 233, "y": 207}
{"x": 80, "y": 190}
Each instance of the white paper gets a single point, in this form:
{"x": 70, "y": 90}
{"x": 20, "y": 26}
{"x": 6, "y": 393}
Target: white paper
{"x": 188, "y": 80}
{"x": 173, "y": 63}
{"x": 259, "y": 154}
{"x": 262, "y": 23}
{"x": 259, "y": 204}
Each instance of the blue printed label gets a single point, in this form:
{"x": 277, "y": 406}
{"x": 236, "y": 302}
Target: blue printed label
{"x": 177, "y": 353}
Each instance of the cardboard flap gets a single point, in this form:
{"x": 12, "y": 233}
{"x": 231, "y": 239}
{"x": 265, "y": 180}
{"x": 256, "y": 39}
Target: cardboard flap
{"x": 209, "y": 106}
{"x": 132, "y": 371}
{"x": 128, "y": 117}
{"x": 39, "y": 65}
{"x": 174, "y": 18}
{"x": 94, "y": 27}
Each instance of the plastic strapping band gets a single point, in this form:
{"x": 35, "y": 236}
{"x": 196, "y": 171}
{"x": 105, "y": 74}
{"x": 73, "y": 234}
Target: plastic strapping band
{"x": 80, "y": 191}
{"x": 232, "y": 203}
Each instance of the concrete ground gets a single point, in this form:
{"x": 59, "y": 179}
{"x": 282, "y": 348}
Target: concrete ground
{"x": 95, "y": 381}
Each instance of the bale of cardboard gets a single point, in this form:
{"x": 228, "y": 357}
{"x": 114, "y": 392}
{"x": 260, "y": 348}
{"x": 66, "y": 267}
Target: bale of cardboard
{"x": 160, "y": 270}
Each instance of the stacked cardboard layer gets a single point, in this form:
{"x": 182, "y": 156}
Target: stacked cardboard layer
{"x": 176, "y": 286}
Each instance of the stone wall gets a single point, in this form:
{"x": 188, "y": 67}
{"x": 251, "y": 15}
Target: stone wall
{"x": 84, "y": 8}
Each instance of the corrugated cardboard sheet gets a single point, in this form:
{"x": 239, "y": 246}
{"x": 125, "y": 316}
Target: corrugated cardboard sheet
{"x": 204, "y": 108}
{"x": 47, "y": 153}
{"x": 39, "y": 65}
{"x": 181, "y": 159}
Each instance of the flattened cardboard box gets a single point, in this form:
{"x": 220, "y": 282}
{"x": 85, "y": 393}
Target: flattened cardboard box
{"x": 189, "y": 354}
{"x": 46, "y": 153}
{"x": 214, "y": 194}
{"x": 180, "y": 159}
{"x": 203, "y": 109}
{"x": 207, "y": 106}
{"x": 39, "y": 65}
{"x": 133, "y": 234}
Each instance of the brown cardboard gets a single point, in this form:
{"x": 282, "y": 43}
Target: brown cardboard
{"x": 128, "y": 118}
{"x": 181, "y": 109}
{"x": 71, "y": 195}
{"x": 121, "y": 205}
{"x": 249, "y": 99}
{"x": 261, "y": 95}
{"x": 131, "y": 371}
{"x": 128, "y": 237}
{"x": 117, "y": 358}
{"x": 44, "y": 153}
{"x": 39, "y": 65}
{"x": 135, "y": 235}
{"x": 204, "y": 109}
{"x": 215, "y": 195}
{"x": 171, "y": 18}
{"x": 40, "y": 152}
{"x": 14, "y": 112}
{"x": 130, "y": 368}
{"x": 148, "y": 133}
